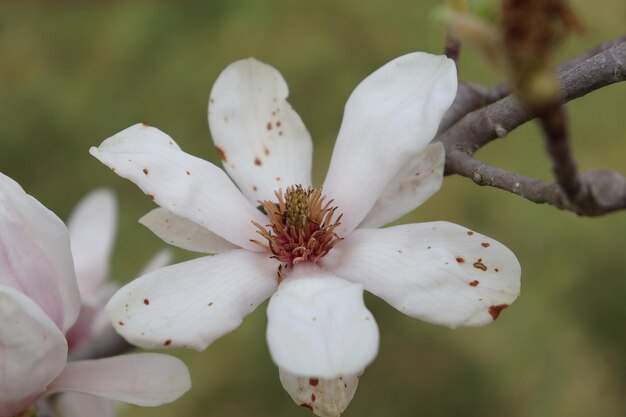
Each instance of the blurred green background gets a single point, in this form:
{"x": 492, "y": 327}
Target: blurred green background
{"x": 73, "y": 73}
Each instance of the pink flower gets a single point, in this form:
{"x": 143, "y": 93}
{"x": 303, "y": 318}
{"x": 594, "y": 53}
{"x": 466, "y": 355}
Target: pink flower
{"x": 312, "y": 251}
{"x": 40, "y": 301}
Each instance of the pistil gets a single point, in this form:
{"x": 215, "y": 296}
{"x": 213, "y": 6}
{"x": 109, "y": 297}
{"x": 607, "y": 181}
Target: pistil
{"x": 301, "y": 227}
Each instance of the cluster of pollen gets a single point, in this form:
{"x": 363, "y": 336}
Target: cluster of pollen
{"x": 301, "y": 227}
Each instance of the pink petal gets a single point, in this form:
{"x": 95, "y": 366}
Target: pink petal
{"x": 146, "y": 379}
{"x": 261, "y": 140}
{"x": 35, "y": 256}
{"x": 74, "y": 404}
{"x": 33, "y": 351}
{"x": 92, "y": 227}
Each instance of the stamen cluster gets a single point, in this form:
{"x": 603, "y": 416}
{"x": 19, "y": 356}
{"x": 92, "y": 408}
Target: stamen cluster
{"x": 301, "y": 226}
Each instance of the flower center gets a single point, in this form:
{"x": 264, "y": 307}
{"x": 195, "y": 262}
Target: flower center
{"x": 301, "y": 227}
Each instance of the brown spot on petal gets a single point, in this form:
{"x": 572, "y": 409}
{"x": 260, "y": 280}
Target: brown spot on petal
{"x": 474, "y": 283}
{"x": 150, "y": 196}
{"x": 257, "y": 161}
{"x": 496, "y": 269}
{"x": 121, "y": 323}
{"x": 469, "y": 233}
{"x": 307, "y": 406}
{"x": 146, "y": 301}
{"x": 266, "y": 151}
{"x": 167, "y": 342}
{"x": 145, "y": 171}
{"x": 254, "y": 188}
{"x": 496, "y": 310}
{"x": 211, "y": 303}
{"x": 269, "y": 125}
{"x": 278, "y": 123}
{"x": 221, "y": 154}
{"x": 313, "y": 382}
{"x": 312, "y": 398}
{"x": 187, "y": 172}
{"x": 460, "y": 260}
{"x": 479, "y": 265}
{"x": 484, "y": 245}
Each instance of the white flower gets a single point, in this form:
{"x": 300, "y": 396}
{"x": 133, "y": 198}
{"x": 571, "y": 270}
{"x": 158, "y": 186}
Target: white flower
{"x": 40, "y": 301}
{"x": 319, "y": 263}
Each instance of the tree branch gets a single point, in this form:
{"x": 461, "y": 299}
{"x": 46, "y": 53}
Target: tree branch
{"x": 602, "y": 190}
{"x": 496, "y": 120}
{"x": 605, "y": 189}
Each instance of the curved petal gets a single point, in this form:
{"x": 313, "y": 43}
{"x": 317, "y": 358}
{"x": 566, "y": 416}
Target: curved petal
{"x": 261, "y": 140}
{"x": 162, "y": 258}
{"x": 392, "y": 115}
{"x": 318, "y": 325}
{"x": 193, "y": 303}
{"x": 146, "y": 379}
{"x": 416, "y": 182}
{"x": 324, "y": 397}
{"x": 75, "y": 404}
{"x": 92, "y": 320}
{"x": 183, "y": 233}
{"x": 183, "y": 184}
{"x": 33, "y": 351}
{"x": 92, "y": 226}
{"x": 35, "y": 256}
{"x": 439, "y": 272}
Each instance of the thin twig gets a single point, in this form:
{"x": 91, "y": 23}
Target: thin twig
{"x": 606, "y": 190}
{"x": 554, "y": 126}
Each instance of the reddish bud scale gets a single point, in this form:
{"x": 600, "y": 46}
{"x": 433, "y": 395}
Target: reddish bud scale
{"x": 301, "y": 227}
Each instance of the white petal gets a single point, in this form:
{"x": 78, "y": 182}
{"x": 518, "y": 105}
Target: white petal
{"x": 416, "y": 182}
{"x": 438, "y": 272}
{"x": 183, "y": 184}
{"x": 325, "y": 397}
{"x": 92, "y": 226}
{"x": 35, "y": 256}
{"x": 261, "y": 140}
{"x": 162, "y": 258}
{"x": 183, "y": 233}
{"x": 193, "y": 303}
{"x": 390, "y": 117}
{"x": 74, "y": 404}
{"x": 146, "y": 379}
{"x": 318, "y": 325}
{"x": 33, "y": 351}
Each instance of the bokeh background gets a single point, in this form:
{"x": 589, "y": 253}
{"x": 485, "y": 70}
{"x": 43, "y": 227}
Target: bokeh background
{"x": 73, "y": 73}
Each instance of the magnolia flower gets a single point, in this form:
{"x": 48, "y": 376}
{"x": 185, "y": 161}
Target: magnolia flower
{"x": 92, "y": 226}
{"x": 313, "y": 251}
{"x": 39, "y": 303}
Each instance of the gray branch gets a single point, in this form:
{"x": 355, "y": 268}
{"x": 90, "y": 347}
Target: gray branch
{"x": 602, "y": 191}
